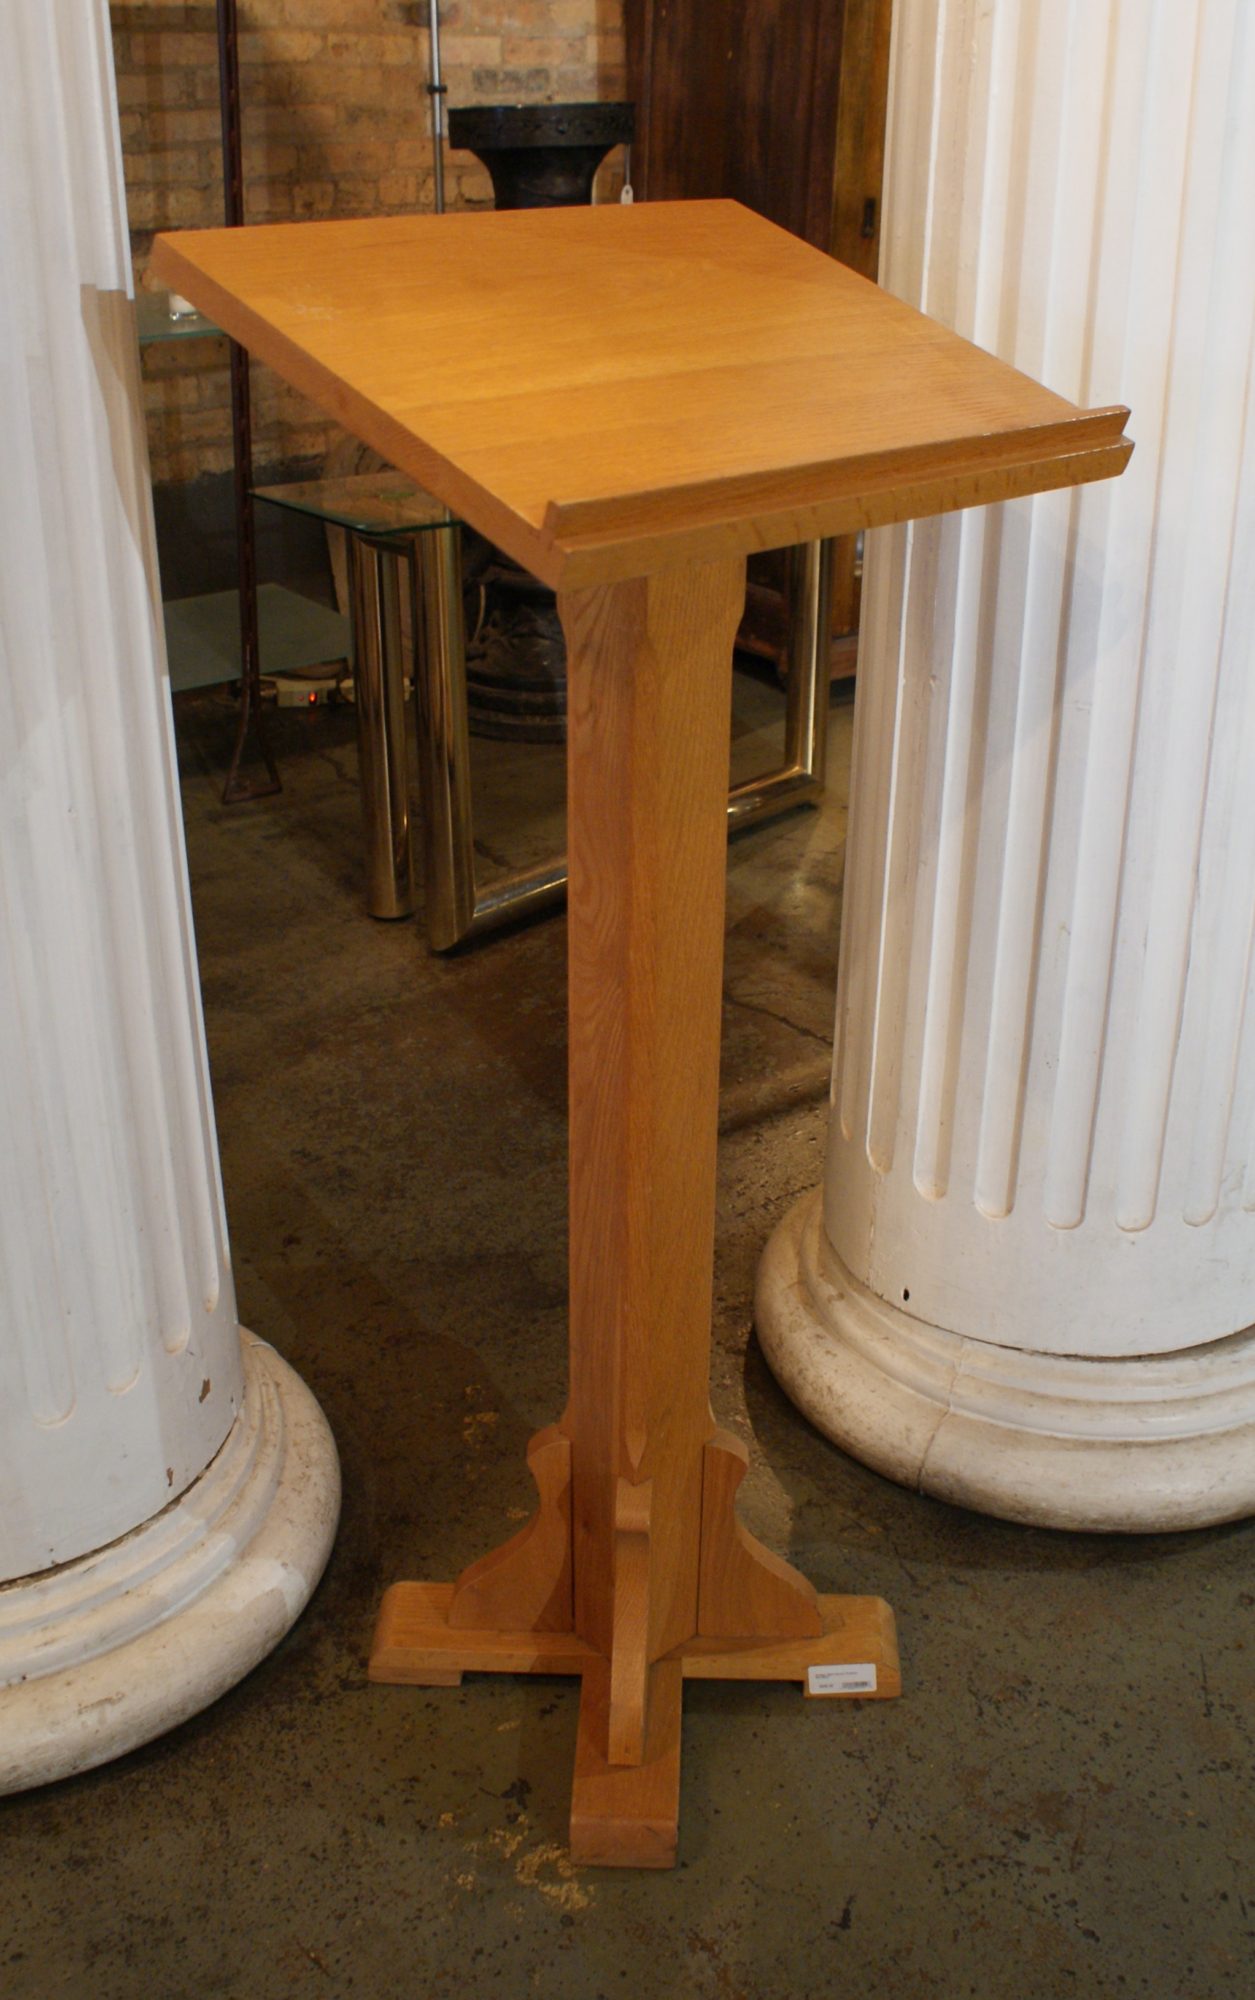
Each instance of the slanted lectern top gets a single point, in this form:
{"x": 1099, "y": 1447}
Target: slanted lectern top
{"x": 629, "y": 401}
{"x": 606, "y": 390}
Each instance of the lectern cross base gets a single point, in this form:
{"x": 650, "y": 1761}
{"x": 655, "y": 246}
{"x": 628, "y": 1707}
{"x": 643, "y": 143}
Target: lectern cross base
{"x": 627, "y": 1815}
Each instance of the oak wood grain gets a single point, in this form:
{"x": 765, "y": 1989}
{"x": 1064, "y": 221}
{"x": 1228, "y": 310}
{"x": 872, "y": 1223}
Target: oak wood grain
{"x": 744, "y": 1590}
{"x": 629, "y": 1650}
{"x": 526, "y": 1584}
{"x": 603, "y": 391}
{"x": 649, "y": 677}
{"x": 628, "y": 1816}
{"x": 854, "y": 1630}
{"x": 414, "y": 1644}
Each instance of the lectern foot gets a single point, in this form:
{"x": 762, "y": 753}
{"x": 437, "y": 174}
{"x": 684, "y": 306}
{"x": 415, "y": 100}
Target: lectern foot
{"x": 854, "y": 1653}
{"x": 415, "y": 1645}
{"x": 627, "y": 1815}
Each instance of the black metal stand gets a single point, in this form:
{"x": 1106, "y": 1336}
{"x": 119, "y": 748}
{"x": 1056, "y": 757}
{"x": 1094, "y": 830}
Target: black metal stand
{"x": 541, "y": 155}
{"x": 538, "y": 156}
{"x": 238, "y": 785}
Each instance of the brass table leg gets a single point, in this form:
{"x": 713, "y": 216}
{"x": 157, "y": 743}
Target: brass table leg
{"x": 799, "y": 780}
{"x": 379, "y": 683}
{"x": 456, "y": 910}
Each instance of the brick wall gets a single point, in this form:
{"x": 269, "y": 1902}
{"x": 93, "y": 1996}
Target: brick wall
{"x": 335, "y": 123}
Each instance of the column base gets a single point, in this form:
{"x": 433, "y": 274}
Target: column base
{"x": 101, "y": 1655}
{"x": 1141, "y": 1445}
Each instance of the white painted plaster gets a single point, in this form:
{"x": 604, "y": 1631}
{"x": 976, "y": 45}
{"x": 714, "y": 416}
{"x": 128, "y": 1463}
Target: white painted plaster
{"x": 121, "y": 1377}
{"x": 1043, "y": 1124}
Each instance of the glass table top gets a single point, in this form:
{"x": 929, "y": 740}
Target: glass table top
{"x": 370, "y": 503}
{"x": 154, "y": 321}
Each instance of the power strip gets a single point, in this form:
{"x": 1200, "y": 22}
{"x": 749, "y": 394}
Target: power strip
{"x": 293, "y": 691}
{"x": 296, "y": 691}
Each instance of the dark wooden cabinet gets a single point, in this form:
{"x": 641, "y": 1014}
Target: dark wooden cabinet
{"x": 779, "y": 104}
{"x": 740, "y": 100}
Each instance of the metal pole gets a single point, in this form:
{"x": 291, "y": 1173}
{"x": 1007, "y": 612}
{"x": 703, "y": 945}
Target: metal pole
{"x": 236, "y": 786}
{"x": 436, "y": 92}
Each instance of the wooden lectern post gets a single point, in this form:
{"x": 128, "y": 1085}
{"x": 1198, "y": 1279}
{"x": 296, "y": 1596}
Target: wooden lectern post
{"x": 628, "y": 401}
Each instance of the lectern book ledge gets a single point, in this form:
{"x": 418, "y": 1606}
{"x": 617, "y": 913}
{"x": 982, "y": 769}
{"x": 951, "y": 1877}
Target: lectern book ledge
{"x": 629, "y": 401}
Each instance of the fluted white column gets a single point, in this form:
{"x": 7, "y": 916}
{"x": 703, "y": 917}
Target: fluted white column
{"x": 167, "y": 1493}
{"x": 1030, "y": 1281}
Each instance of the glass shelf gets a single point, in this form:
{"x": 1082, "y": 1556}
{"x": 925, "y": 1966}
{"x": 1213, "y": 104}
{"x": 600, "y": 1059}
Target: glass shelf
{"x": 369, "y": 503}
{"x": 154, "y": 321}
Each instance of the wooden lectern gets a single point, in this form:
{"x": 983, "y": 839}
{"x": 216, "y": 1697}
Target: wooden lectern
{"x": 629, "y": 400}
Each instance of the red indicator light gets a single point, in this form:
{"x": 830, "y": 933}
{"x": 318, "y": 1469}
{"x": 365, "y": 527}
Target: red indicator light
{"x": 313, "y": 699}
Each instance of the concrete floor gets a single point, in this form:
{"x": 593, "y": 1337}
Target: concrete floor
{"x": 1061, "y": 1804}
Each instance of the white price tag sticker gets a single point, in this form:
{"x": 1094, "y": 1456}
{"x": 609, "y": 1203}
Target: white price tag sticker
{"x": 856, "y": 1677}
